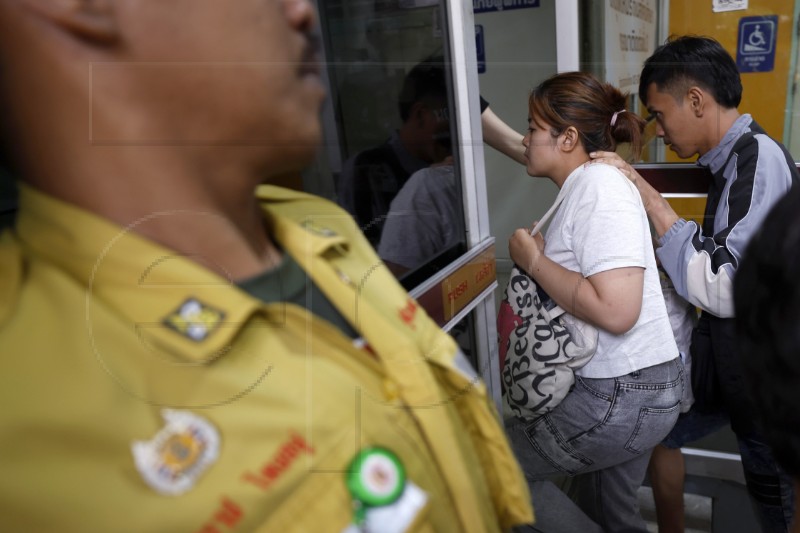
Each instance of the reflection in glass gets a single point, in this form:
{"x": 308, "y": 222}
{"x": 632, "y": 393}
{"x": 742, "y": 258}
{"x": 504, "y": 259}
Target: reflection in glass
{"x": 424, "y": 219}
{"x": 463, "y": 332}
{"x": 391, "y": 99}
{"x": 372, "y": 178}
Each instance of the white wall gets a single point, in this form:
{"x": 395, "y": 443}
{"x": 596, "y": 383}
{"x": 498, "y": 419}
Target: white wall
{"x": 520, "y": 53}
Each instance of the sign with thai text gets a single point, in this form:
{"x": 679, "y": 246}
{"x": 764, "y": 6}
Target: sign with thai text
{"x": 720, "y": 6}
{"x": 630, "y": 38}
{"x": 468, "y": 282}
{"x": 486, "y": 6}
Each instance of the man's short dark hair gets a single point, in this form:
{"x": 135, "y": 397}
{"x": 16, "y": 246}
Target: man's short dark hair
{"x": 424, "y": 83}
{"x": 767, "y": 308}
{"x": 690, "y": 60}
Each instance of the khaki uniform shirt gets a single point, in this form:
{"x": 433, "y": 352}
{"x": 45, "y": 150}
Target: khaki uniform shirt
{"x": 142, "y": 392}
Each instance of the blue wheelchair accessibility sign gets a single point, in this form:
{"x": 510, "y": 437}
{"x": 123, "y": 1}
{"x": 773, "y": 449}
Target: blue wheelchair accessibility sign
{"x": 755, "y": 51}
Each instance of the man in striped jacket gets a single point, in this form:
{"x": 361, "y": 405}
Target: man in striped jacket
{"x": 692, "y": 88}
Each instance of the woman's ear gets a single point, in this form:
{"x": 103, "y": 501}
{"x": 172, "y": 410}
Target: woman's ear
{"x": 92, "y": 20}
{"x": 569, "y": 139}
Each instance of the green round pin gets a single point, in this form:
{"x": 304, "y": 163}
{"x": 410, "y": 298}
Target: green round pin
{"x": 375, "y": 477}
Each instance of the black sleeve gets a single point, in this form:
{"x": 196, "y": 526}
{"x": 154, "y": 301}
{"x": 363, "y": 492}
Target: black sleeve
{"x": 484, "y": 104}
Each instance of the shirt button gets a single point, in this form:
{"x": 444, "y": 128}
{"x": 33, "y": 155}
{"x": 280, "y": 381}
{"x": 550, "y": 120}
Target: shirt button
{"x": 390, "y": 389}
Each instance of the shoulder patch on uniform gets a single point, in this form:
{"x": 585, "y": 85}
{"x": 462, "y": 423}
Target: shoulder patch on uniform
{"x": 317, "y": 229}
{"x": 173, "y": 460}
{"x": 194, "y": 319}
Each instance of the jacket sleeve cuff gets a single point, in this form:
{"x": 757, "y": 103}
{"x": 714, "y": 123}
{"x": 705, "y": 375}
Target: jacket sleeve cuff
{"x": 672, "y": 231}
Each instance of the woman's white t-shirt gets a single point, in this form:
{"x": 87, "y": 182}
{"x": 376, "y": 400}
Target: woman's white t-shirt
{"x": 602, "y": 225}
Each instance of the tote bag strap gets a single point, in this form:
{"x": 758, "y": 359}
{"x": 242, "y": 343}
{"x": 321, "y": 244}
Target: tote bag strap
{"x": 560, "y": 198}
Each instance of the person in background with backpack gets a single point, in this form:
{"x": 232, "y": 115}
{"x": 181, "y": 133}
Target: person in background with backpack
{"x": 692, "y": 87}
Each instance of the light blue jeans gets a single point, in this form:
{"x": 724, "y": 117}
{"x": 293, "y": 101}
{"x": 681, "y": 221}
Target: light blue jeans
{"x": 603, "y": 433}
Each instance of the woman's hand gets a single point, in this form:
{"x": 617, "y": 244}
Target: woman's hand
{"x": 526, "y": 250}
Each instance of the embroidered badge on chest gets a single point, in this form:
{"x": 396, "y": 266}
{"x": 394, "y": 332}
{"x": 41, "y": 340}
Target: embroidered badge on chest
{"x": 194, "y": 319}
{"x": 173, "y": 460}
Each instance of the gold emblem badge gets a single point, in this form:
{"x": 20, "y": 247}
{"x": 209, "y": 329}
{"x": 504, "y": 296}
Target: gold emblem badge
{"x": 322, "y": 231}
{"x": 173, "y": 460}
{"x": 194, "y": 320}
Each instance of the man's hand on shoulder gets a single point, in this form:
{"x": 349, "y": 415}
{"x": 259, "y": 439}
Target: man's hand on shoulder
{"x": 658, "y": 209}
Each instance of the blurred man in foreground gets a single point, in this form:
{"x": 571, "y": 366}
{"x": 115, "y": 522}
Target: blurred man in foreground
{"x": 183, "y": 350}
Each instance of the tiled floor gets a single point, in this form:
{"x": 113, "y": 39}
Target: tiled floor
{"x": 698, "y": 510}
{"x": 712, "y": 506}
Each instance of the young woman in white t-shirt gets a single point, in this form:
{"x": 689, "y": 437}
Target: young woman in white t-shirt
{"x": 597, "y": 262}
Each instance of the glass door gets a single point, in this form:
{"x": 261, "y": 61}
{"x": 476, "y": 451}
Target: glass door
{"x": 401, "y": 124}
{"x": 389, "y": 139}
